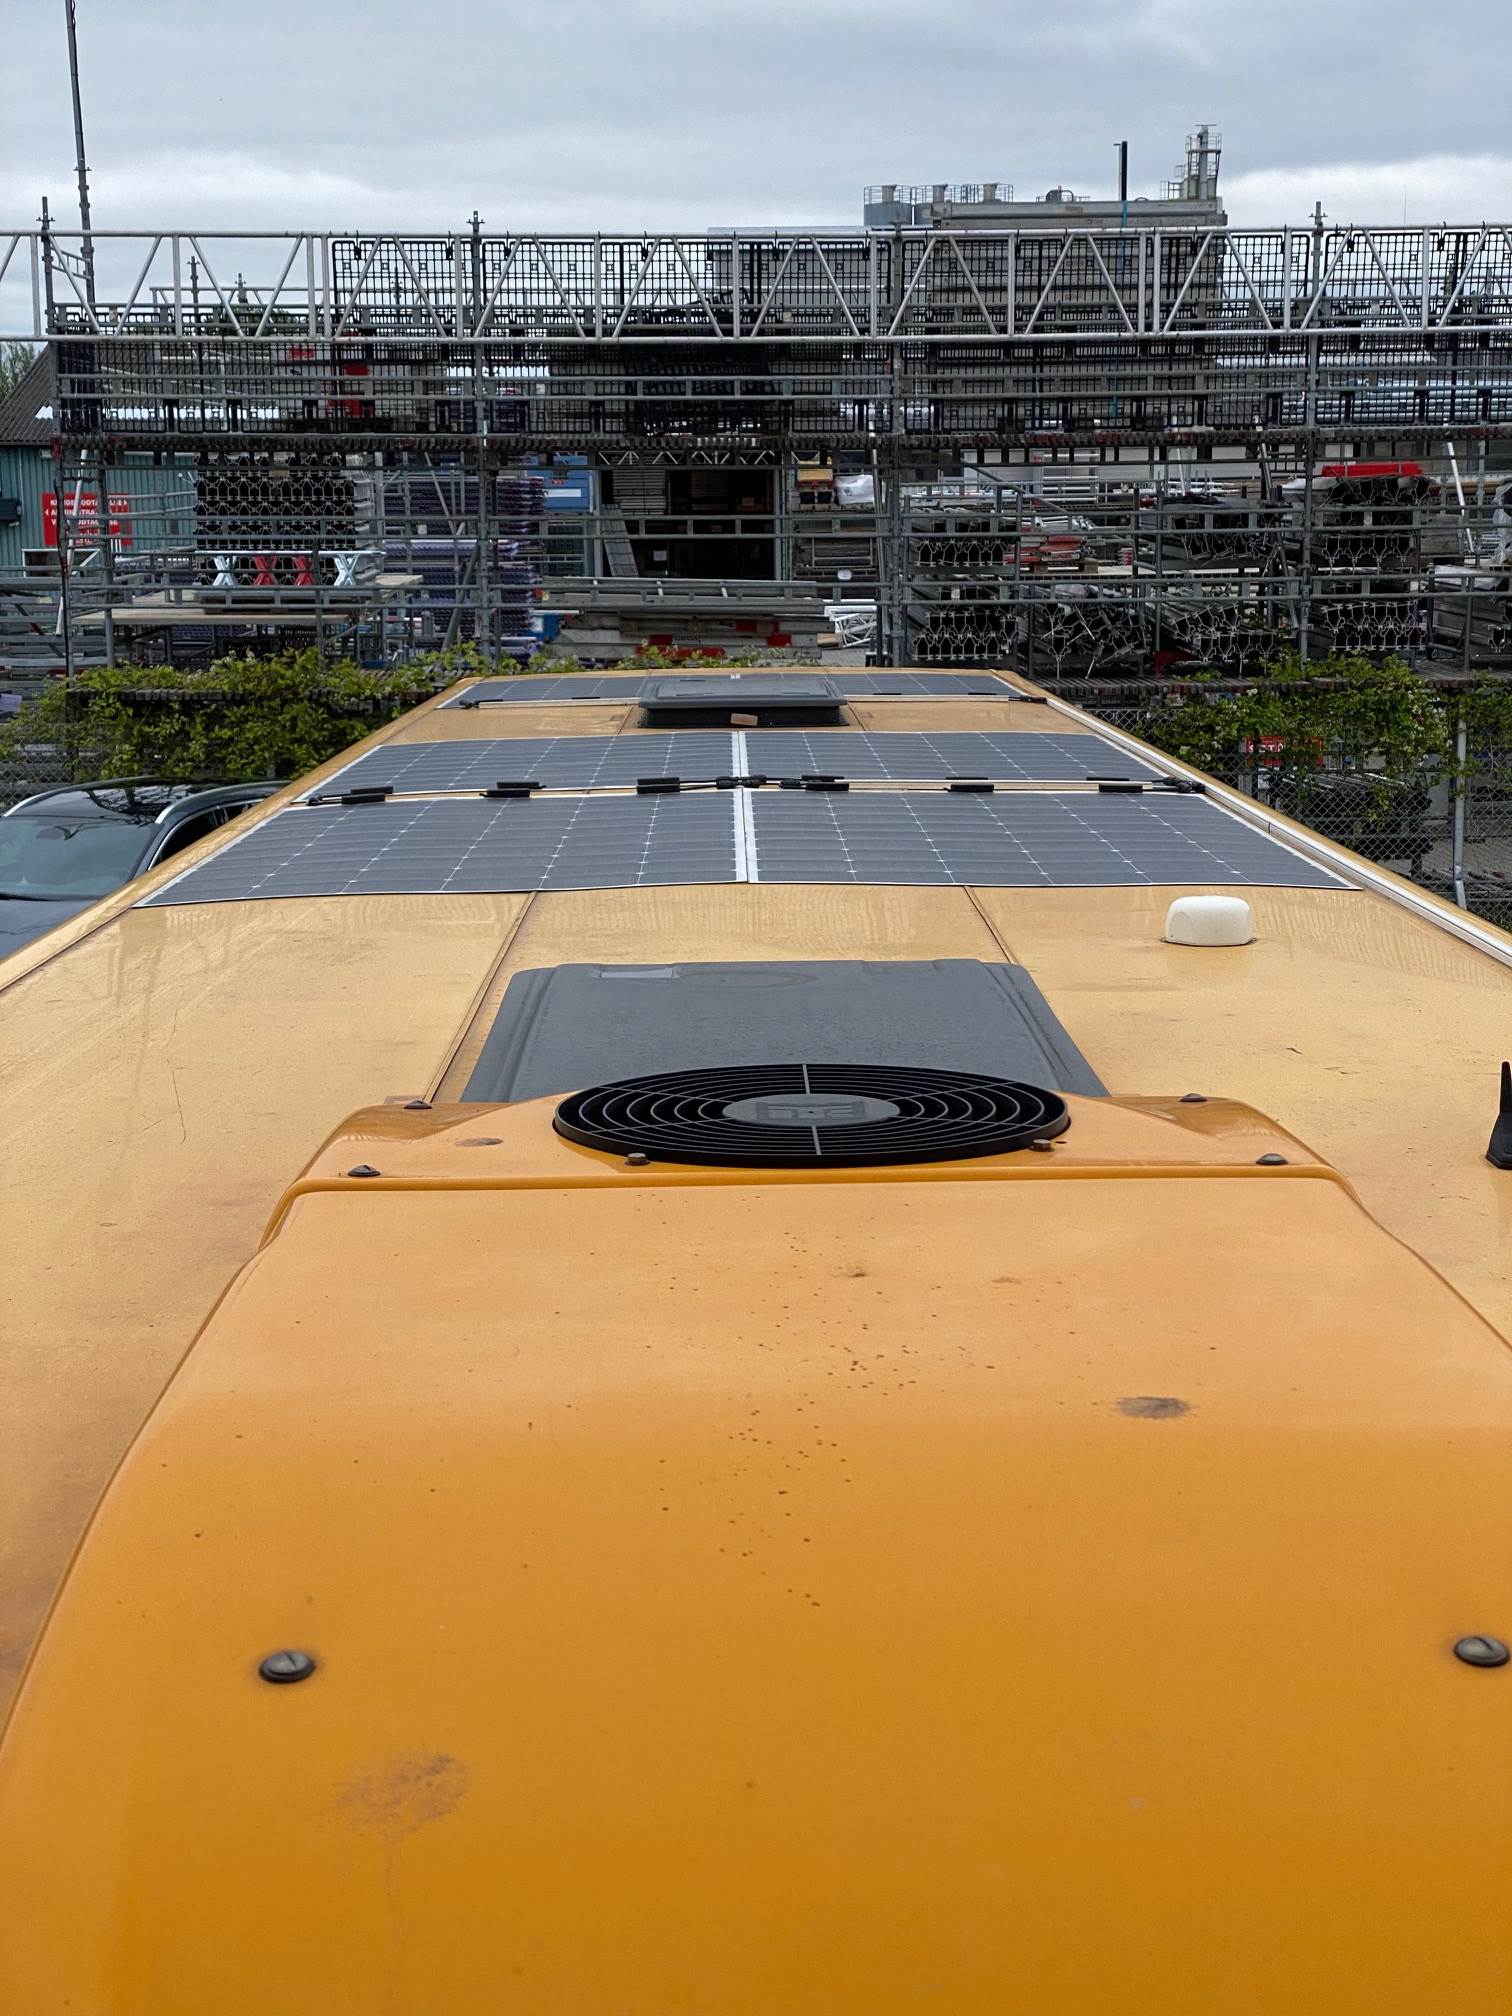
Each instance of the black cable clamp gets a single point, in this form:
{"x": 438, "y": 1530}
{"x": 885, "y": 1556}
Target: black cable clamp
{"x": 360, "y": 794}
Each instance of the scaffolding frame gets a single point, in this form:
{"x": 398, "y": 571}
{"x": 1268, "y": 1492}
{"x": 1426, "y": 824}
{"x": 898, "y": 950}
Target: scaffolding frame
{"x": 893, "y": 351}
{"x": 935, "y": 285}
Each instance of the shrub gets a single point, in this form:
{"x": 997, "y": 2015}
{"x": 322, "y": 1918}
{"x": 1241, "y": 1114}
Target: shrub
{"x": 238, "y": 718}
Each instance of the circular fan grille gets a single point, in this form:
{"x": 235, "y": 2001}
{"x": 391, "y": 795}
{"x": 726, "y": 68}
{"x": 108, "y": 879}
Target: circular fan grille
{"x": 795, "y": 1115}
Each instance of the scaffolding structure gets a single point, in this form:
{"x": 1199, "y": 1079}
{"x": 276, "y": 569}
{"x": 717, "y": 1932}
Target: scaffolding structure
{"x": 1010, "y": 443}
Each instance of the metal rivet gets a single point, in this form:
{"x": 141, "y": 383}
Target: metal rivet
{"x": 362, "y": 1169}
{"x": 282, "y": 1669}
{"x": 1194, "y": 1098}
{"x": 1482, "y": 1651}
{"x": 417, "y": 1105}
{"x": 1042, "y": 1147}
{"x": 1270, "y": 1161}
{"x": 637, "y": 1160}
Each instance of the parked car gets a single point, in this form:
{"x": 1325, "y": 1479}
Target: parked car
{"x": 62, "y": 850}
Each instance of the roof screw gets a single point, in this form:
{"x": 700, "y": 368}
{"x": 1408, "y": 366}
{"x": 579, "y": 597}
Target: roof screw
{"x": 1270, "y": 1161}
{"x": 362, "y": 1169}
{"x": 637, "y": 1160}
{"x": 1194, "y": 1098}
{"x": 1482, "y": 1651}
{"x": 417, "y": 1105}
{"x": 282, "y": 1669}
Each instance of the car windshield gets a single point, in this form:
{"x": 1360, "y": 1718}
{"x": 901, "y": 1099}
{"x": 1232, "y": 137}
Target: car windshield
{"x": 64, "y": 859}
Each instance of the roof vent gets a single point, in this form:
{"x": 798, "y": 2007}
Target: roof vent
{"x": 791, "y": 1116}
{"x": 1210, "y": 920}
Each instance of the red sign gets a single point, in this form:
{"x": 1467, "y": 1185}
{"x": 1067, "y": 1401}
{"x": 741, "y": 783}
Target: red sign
{"x": 1273, "y": 750}
{"x": 84, "y": 518}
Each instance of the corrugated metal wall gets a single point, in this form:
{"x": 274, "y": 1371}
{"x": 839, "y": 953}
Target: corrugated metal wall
{"x": 24, "y": 474}
{"x": 160, "y": 512}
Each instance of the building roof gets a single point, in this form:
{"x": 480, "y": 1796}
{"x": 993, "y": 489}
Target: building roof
{"x": 23, "y": 423}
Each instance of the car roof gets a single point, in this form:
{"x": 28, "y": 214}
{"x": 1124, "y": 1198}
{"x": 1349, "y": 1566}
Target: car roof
{"x": 137, "y": 800}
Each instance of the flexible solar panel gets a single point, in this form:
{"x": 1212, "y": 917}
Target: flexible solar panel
{"x": 1026, "y": 840}
{"x": 884, "y": 684}
{"x": 628, "y": 686}
{"x": 558, "y": 762}
{"x": 882, "y": 757}
{"x": 474, "y": 845}
{"x": 587, "y": 762}
{"x": 568, "y": 686}
{"x": 471, "y": 846}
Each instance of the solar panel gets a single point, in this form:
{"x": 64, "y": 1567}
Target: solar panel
{"x": 1026, "y": 840}
{"x": 471, "y": 846}
{"x": 536, "y": 690}
{"x": 863, "y": 757}
{"x": 560, "y": 762}
{"x": 883, "y": 684}
{"x": 585, "y": 762}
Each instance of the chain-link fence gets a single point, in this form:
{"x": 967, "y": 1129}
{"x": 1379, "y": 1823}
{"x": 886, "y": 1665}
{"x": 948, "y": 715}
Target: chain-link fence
{"x": 1445, "y": 823}
{"x": 87, "y": 734}
{"x": 37, "y": 766}
{"x": 1480, "y": 867}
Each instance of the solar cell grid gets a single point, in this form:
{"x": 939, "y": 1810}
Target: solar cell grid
{"x": 568, "y": 686}
{"x": 875, "y": 757}
{"x": 882, "y": 684}
{"x": 559, "y": 762}
{"x": 472, "y": 845}
{"x": 469, "y": 846}
{"x": 1027, "y": 840}
{"x": 584, "y": 762}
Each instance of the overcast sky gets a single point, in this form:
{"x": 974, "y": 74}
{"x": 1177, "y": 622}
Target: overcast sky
{"x": 621, "y": 114}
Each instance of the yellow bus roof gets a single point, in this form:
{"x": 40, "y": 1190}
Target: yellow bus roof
{"x": 1024, "y": 1584}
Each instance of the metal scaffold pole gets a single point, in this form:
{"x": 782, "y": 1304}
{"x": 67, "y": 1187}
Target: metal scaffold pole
{"x": 80, "y": 163}
{"x": 60, "y": 488}
{"x": 1457, "y": 842}
{"x": 103, "y": 533}
{"x": 1310, "y": 447}
{"x": 893, "y": 637}
{"x": 484, "y": 627}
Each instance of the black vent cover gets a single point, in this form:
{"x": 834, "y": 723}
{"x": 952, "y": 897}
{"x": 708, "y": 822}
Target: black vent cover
{"x": 789, "y": 1116}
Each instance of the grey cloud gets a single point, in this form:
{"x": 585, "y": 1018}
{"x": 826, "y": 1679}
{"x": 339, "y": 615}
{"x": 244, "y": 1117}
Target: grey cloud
{"x": 554, "y": 113}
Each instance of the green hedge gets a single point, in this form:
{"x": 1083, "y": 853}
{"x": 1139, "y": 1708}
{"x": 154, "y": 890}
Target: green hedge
{"x": 281, "y": 716}
{"x": 238, "y": 718}
{"x": 1376, "y": 720}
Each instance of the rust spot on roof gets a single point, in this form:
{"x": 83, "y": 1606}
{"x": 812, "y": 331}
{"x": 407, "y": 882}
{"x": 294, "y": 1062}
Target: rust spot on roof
{"x": 406, "y": 1793}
